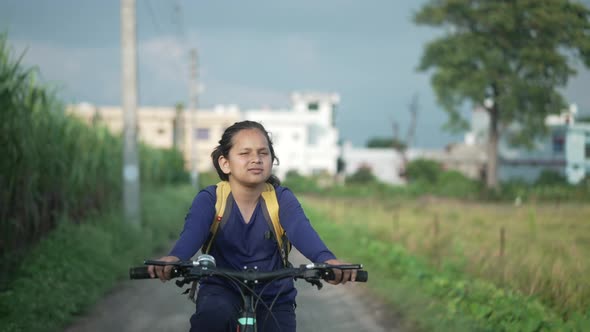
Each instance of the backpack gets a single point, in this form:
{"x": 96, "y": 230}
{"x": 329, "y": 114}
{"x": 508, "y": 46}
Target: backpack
{"x": 270, "y": 209}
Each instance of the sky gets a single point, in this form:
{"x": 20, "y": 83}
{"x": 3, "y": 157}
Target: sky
{"x": 252, "y": 54}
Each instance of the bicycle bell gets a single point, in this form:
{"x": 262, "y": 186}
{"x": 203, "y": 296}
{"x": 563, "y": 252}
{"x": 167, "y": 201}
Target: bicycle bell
{"x": 206, "y": 261}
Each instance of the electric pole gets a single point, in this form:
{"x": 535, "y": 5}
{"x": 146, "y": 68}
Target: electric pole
{"x": 193, "y": 106}
{"x": 131, "y": 192}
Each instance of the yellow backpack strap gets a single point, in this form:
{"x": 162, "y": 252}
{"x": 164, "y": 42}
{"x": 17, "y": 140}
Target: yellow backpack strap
{"x": 271, "y": 205}
{"x": 222, "y": 192}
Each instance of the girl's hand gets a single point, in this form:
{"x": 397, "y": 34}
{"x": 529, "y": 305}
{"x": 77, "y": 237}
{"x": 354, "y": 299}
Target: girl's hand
{"x": 162, "y": 272}
{"x": 341, "y": 276}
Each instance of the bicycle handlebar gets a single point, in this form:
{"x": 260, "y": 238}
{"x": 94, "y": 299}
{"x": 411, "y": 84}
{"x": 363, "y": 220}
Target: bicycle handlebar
{"x": 195, "y": 270}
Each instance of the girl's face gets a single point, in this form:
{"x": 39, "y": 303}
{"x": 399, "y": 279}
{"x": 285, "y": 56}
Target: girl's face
{"x": 249, "y": 161}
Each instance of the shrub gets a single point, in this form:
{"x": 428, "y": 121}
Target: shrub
{"x": 423, "y": 170}
{"x": 551, "y": 178}
{"x": 363, "y": 174}
{"x": 300, "y": 184}
{"x": 455, "y": 184}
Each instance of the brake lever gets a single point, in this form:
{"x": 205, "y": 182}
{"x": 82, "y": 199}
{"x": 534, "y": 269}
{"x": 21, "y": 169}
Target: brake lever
{"x": 316, "y": 283}
{"x": 181, "y": 283}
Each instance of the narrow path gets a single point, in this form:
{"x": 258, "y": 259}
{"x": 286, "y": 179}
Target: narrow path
{"x": 149, "y": 305}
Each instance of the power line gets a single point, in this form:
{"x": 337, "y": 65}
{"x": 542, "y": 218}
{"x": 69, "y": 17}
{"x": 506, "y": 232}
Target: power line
{"x": 153, "y": 16}
{"x": 179, "y": 20}
{"x": 159, "y": 30}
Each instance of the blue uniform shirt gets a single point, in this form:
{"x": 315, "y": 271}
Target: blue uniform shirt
{"x": 240, "y": 244}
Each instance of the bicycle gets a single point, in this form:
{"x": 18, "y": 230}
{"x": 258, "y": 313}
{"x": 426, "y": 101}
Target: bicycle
{"x": 204, "y": 266}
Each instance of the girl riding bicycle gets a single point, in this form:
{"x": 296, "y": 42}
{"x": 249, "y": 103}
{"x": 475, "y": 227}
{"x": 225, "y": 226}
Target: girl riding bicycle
{"x": 244, "y": 158}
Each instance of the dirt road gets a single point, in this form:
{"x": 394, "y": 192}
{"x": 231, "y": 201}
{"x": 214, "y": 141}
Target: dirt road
{"x": 149, "y": 305}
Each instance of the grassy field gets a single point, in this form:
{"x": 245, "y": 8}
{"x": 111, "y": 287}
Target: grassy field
{"x": 540, "y": 250}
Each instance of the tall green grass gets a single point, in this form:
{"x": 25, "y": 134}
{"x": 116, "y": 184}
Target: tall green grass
{"x": 54, "y": 165}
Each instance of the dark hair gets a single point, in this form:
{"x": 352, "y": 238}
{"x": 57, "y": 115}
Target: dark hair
{"x": 226, "y": 143}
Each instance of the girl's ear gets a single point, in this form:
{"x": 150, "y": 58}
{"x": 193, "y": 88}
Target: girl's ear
{"x": 224, "y": 164}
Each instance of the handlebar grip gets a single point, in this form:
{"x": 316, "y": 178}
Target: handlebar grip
{"x": 139, "y": 272}
{"x": 362, "y": 276}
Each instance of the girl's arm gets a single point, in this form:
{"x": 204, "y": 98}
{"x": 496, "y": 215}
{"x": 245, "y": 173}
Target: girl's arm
{"x": 196, "y": 225}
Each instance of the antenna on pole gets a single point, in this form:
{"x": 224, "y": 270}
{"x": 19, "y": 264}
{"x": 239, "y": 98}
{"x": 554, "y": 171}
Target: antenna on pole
{"x": 131, "y": 180}
{"x": 193, "y": 106}
{"x": 414, "y": 107}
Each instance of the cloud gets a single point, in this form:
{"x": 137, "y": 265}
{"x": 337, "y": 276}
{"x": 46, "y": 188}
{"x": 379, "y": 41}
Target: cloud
{"x": 577, "y": 89}
{"x": 298, "y": 51}
{"x": 165, "y": 59}
{"x": 79, "y": 73}
{"x": 93, "y": 74}
{"x": 244, "y": 96}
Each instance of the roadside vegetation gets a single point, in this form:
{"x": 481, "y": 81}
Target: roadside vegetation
{"x": 54, "y": 166}
{"x": 63, "y": 239}
{"x": 453, "y": 255}
{"x": 72, "y": 267}
{"x": 519, "y": 256}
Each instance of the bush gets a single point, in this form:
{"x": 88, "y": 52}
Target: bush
{"x": 300, "y": 184}
{"x": 363, "y": 174}
{"x": 551, "y": 178}
{"x": 423, "y": 170}
{"x": 208, "y": 178}
{"x": 455, "y": 184}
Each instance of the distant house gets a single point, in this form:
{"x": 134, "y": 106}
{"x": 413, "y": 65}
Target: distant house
{"x": 305, "y": 135}
{"x": 565, "y": 150}
{"x": 467, "y": 158}
{"x": 577, "y": 151}
{"x": 387, "y": 164}
{"x": 167, "y": 127}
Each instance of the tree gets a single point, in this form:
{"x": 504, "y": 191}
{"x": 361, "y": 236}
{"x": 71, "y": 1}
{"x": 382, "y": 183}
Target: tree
{"x": 386, "y": 142}
{"x": 514, "y": 53}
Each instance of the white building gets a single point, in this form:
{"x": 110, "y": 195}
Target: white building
{"x": 386, "y": 164}
{"x": 305, "y": 138}
{"x": 566, "y": 148}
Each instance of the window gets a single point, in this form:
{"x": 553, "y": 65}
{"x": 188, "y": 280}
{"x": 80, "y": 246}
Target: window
{"x": 313, "y": 134}
{"x": 313, "y": 107}
{"x": 587, "y": 151}
{"x": 558, "y": 143}
{"x": 161, "y": 131}
{"x": 202, "y": 133}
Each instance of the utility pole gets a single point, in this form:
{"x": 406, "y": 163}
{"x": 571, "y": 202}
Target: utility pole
{"x": 193, "y": 106}
{"x": 131, "y": 200}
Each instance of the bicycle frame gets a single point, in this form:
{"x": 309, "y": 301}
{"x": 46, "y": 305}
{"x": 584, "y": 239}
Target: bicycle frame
{"x": 247, "y": 320}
